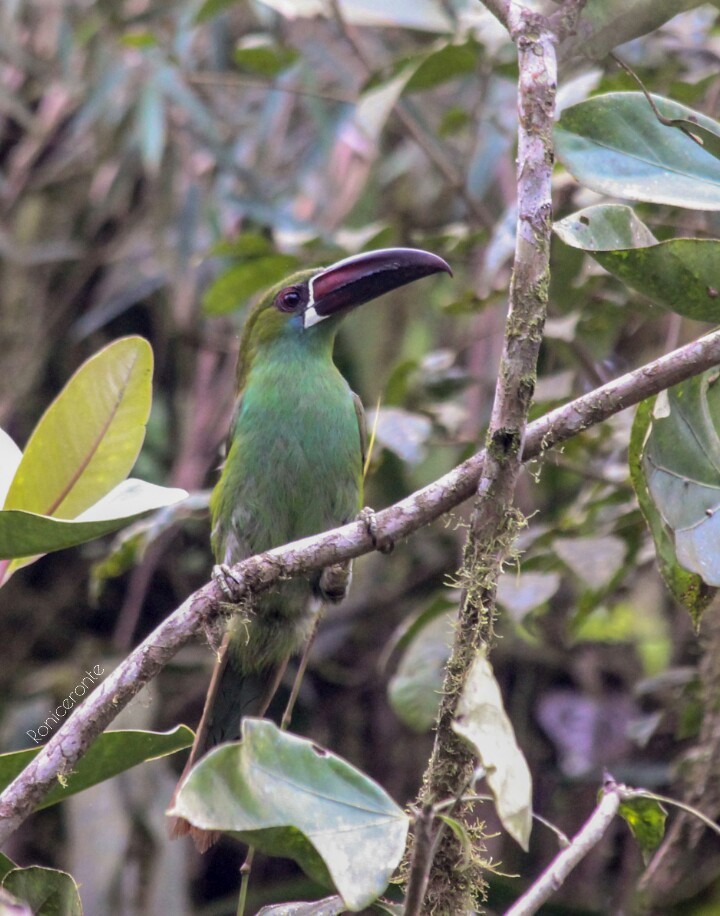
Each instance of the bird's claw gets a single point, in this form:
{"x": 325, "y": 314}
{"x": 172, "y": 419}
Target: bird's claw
{"x": 228, "y": 582}
{"x": 379, "y": 542}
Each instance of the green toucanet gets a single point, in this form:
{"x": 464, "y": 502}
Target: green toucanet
{"x": 294, "y": 468}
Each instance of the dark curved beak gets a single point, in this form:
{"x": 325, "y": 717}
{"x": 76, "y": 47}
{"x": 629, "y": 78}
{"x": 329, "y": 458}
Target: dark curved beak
{"x": 356, "y": 280}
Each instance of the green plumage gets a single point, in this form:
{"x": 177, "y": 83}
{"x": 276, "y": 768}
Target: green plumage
{"x": 293, "y": 468}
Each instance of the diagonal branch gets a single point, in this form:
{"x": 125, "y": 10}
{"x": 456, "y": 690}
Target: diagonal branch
{"x": 92, "y": 717}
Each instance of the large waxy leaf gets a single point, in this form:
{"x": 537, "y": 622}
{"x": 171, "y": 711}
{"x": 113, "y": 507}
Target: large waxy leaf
{"x": 679, "y": 274}
{"x": 481, "y": 719}
{"x": 681, "y": 464}
{"x": 687, "y": 588}
{"x": 614, "y": 144}
{"x": 88, "y": 439}
{"x": 47, "y": 892}
{"x": 112, "y": 753}
{"x": 288, "y": 797}
{"x": 25, "y": 534}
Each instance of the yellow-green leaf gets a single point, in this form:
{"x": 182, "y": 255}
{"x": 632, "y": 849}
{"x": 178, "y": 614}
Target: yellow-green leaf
{"x": 88, "y": 439}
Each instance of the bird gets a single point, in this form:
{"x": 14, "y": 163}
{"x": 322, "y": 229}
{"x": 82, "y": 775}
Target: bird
{"x": 293, "y": 468}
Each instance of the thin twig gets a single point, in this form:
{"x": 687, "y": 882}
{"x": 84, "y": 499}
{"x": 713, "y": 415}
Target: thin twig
{"x": 287, "y": 715}
{"x": 587, "y": 839}
{"x": 58, "y": 757}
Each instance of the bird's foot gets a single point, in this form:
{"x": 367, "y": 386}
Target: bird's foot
{"x": 230, "y": 584}
{"x": 335, "y": 581}
{"x": 382, "y": 543}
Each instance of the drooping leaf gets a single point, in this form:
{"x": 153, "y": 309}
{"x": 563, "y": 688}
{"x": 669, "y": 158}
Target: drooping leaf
{"x": 679, "y": 274}
{"x": 112, "y": 753}
{"x": 687, "y": 588}
{"x": 481, "y": 719}
{"x": 291, "y": 798}
{"x": 88, "y": 439}
{"x": 681, "y": 464}
{"x": 646, "y": 819}
{"x": 47, "y": 891}
{"x": 26, "y": 534}
{"x": 614, "y": 144}
{"x": 416, "y": 687}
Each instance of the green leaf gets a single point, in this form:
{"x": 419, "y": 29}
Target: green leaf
{"x": 235, "y": 286}
{"x": 47, "y": 891}
{"x": 27, "y": 534}
{"x": 447, "y": 63}
{"x": 259, "y": 55}
{"x": 686, "y": 587}
{"x": 289, "y": 797}
{"x": 112, "y": 753}
{"x": 679, "y": 274}
{"x": 615, "y": 145}
{"x": 88, "y": 439}
{"x": 328, "y": 906}
{"x": 6, "y": 865}
{"x": 681, "y": 464}
{"x": 481, "y": 719}
{"x": 605, "y": 24}
{"x": 415, "y": 689}
{"x": 211, "y": 8}
{"x": 646, "y": 819}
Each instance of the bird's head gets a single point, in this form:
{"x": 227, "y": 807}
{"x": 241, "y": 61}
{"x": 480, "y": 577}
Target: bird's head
{"x": 310, "y": 303}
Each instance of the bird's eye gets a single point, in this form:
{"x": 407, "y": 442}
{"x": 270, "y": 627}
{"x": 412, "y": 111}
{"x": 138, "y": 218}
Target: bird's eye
{"x": 289, "y": 299}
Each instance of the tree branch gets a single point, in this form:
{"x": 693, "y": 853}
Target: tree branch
{"x": 589, "y": 836}
{"x": 90, "y": 719}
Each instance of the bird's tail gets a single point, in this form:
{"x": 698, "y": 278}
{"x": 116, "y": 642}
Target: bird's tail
{"x": 231, "y": 695}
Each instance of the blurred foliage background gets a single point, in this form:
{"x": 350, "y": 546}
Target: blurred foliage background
{"x": 160, "y": 163}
